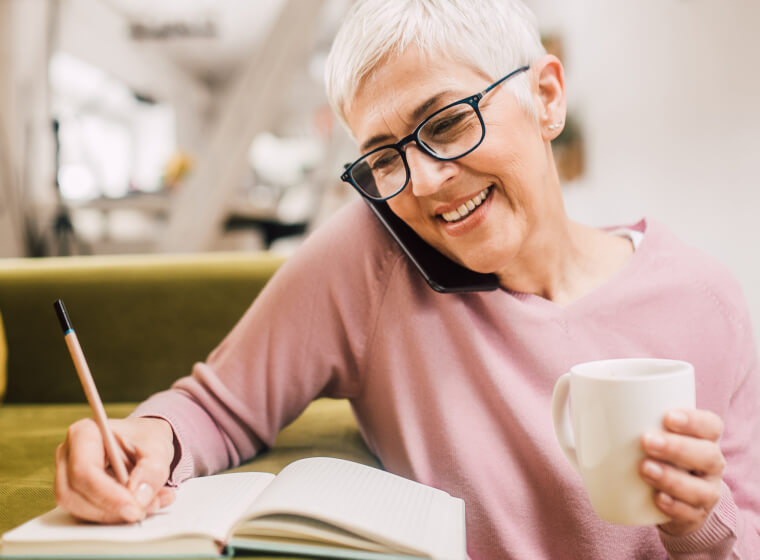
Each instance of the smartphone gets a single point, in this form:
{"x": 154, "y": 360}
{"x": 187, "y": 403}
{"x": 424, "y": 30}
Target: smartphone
{"x": 440, "y": 272}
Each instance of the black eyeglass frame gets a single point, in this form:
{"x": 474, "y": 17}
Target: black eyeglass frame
{"x": 473, "y": 101}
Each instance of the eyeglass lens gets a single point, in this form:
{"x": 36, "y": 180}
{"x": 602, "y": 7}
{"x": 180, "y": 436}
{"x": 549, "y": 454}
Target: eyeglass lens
{"x": 448, "y": 134}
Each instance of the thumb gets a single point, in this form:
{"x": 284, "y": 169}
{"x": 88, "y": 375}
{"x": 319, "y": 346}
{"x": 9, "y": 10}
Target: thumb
{"x": 151, "y": 452}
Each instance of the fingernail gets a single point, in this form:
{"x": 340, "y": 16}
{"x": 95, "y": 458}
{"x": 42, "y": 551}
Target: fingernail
{"x": 130, "y": 513}
{"x": 655, "y": 441}
{"x": 144, "y": 494}
{"x": 666, "y": 499}
{"x": 677, "y": 418}
{"x": 652, "y": 470}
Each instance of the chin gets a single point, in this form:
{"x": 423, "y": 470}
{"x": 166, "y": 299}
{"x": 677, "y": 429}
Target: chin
{"x": 484, "y": 262}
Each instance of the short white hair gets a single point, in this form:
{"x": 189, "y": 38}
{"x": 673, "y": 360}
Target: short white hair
{"x": 492, "y": 36}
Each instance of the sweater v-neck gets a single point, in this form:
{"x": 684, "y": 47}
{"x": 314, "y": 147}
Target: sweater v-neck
{"x": 591, "y": 298}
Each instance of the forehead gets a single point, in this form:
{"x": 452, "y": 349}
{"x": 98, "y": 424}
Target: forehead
{"x": 386, "y": 100}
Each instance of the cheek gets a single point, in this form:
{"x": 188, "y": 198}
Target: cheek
{"x": 406, "y": 207}
{"x": 516, "y": 142}
{"x": 517, "y": 169}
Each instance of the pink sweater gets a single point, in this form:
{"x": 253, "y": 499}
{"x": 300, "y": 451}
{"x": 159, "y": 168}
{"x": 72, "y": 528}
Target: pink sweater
{"x": 454, "y": 390}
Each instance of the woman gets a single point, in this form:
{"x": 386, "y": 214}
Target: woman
{"x": 453, "y": 390}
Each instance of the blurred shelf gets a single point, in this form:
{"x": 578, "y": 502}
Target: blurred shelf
{"x": 153, "y": 203}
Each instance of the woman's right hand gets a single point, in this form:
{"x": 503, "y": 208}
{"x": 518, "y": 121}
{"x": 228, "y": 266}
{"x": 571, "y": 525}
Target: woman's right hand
{"x": 85, "y": 485}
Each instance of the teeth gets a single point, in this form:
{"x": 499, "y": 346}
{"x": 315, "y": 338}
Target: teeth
{"x": 467, "y": 207}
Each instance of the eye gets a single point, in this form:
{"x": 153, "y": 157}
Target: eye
{"x": 384, "y": 160}
{"x": 446, "y": 123}
{"x": 449, "y": 125}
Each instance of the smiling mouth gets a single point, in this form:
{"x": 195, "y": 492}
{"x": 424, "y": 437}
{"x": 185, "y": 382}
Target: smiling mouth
{"x": 466, "y": 208}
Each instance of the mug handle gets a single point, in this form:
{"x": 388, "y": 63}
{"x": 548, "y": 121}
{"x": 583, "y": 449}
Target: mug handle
{"x": 560, "y": 417}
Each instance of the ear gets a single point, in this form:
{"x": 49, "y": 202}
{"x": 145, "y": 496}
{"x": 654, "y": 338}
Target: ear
{"x": 549, "y": 93}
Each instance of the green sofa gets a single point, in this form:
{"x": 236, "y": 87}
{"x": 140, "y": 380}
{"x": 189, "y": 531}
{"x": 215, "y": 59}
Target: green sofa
{"x": 142, "y": 322}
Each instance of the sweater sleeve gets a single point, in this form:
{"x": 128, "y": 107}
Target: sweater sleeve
{"x": 303, "y": 337}
{"x": 732, "y": 529}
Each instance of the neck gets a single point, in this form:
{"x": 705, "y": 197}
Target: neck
{"x": 565, "y": 260}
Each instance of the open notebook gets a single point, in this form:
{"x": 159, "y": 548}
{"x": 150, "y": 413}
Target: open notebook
{"x": 318, "y": 506}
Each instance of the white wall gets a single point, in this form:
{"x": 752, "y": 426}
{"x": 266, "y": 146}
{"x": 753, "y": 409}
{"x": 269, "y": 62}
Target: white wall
{"x": 668, "y": 94}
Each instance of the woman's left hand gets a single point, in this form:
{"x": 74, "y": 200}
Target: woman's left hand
{"x": 685, "y": 465}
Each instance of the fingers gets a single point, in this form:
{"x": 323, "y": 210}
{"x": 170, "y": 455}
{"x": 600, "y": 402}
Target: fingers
{"x": 700, "y": 456}
{"x": 89, "y": 493}
{"x": 686, "y": 518}
{"x": 702, "y": 424}
{"x": 166, "y": 497}
{"x": 686, "y": 499}
{"x": 693, "y": 491}
{"x": 85, "y": 487}
{"x": 153, "y": 457}
{"x": 146, "y": 480}
{"x": 685, "y": 466}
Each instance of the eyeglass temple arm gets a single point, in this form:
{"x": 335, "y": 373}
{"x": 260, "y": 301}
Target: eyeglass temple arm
{"x": 512, "y": 73}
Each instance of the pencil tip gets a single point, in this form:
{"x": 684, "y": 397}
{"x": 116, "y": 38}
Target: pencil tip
{"x": 63, "y": 316}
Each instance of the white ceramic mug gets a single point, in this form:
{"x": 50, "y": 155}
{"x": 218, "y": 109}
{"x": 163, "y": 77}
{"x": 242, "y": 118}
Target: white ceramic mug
{"x": 600, "y": 410}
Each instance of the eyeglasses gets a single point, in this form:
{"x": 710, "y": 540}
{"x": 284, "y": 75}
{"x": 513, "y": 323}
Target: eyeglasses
{"x": 450, "y": 133}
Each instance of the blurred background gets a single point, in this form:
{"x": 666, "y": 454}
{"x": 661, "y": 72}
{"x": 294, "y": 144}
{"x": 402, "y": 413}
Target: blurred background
{"x": 135, "y": 126}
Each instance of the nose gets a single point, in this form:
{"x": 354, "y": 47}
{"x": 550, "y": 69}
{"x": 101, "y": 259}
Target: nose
{"x": 426, "y": 174}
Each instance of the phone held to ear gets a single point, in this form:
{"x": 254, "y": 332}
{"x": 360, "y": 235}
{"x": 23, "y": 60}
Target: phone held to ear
{"x": 439, "y": 271}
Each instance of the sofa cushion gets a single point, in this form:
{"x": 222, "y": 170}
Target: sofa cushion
{"x": 3, "y": 360}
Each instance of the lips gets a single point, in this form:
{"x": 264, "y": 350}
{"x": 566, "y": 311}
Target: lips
{"x": 464, "y": 210}
{"x": 472, "y": 219}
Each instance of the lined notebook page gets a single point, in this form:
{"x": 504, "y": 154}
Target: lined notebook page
{"x": 369, "y": 502}
{"x": 204, "y": 506}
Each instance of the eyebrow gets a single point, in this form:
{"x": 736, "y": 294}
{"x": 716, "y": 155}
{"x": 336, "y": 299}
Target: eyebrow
{"x": 416, "y": 116}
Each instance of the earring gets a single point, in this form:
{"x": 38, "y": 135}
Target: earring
{"x": 555, "y": 126}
